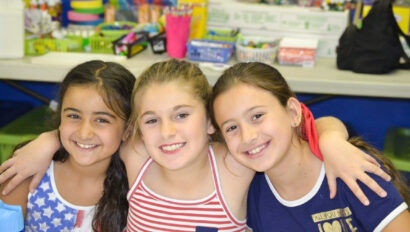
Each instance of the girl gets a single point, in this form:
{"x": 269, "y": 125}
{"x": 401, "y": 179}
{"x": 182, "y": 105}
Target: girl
{"x": 85, "y": 186}
{"x": 184, "y": 184}
{"x": 265, "y": 128}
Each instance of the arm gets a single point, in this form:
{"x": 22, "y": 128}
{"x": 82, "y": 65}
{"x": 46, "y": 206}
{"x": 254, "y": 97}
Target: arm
{"x": 19, "y": 195}
{"x": 346, "y": 161}
{"x": 134, "y": 155}
{"x": 400, "y": 223}
{"x": 31, "y": 160}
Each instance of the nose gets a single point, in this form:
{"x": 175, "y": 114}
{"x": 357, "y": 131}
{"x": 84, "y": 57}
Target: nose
{"x": 248, "y": 133}
{"x": 167, "y": 128}
{"x": 85, "y": 131}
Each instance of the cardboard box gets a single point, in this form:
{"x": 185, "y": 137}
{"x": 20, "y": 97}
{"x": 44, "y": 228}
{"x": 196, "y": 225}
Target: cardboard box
{"x": 270, "y": 17}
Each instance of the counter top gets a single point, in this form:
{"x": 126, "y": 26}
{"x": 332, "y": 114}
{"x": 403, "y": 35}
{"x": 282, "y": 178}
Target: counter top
{"x": 324, "y": 78}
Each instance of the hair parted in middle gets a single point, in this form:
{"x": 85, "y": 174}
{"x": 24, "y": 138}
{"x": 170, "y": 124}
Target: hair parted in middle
{"x": 187, "y": 74}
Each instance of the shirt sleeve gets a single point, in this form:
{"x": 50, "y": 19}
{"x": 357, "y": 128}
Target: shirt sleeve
{"x": 381, "y": 211}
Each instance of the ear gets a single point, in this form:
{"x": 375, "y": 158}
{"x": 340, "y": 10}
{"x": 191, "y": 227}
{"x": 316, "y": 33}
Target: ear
{"x": 295, "y": 111}
{"x": 211, "y": 128}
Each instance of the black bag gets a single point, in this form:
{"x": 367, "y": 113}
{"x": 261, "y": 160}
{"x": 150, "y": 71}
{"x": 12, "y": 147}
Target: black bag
{"x": 375, "y": 48}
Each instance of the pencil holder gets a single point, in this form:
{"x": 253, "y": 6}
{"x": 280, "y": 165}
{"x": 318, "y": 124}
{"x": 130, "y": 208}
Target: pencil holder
{"x": 177, "y": 31}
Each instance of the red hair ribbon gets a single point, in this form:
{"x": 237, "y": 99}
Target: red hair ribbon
{"x": 309, "y": 131}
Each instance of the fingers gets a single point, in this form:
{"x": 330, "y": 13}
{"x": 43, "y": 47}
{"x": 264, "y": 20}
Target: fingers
{"x": 12, "y": 184}
{"x": 369, "y": 182}
{"x": 357, "y": 191}
{"x": 10, "y": 172}
{"x": 6, "y": 164}
{"x": 372, "y": 160}
{"x": 377, "y": 170}
{"x": 34, "y": 182}
{"x": 331, "y": 180}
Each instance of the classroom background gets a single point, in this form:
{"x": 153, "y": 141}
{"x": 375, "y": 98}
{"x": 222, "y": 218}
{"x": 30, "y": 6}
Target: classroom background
{"x": 40, "y": 40}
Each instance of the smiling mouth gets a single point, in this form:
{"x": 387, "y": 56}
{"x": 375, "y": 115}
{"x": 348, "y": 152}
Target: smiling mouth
{"x": 257, "y": 150}
{"x": 85, "y": 146}
{"x": 172, "y": 148}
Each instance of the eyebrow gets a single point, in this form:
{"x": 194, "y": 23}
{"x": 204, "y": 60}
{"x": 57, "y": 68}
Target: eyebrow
{"x": 95, "y": 113}
{"x": 175, "y": 108}
{"x": 249, "y": 110}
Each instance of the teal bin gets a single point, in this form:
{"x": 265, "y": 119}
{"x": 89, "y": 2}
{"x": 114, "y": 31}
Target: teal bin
{"x": 24, "y": 128}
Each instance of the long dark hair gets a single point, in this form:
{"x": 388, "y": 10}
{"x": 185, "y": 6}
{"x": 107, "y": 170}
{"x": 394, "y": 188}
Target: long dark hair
{"x": 268, "y": 78}
{"x": 114, "y": 83}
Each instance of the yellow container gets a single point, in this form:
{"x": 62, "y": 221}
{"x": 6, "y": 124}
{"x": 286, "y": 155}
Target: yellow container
{"x": 199, "y": 17}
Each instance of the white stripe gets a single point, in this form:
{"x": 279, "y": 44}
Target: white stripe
{"x": 140, "y": 175}
{"x": 389, "y": 218}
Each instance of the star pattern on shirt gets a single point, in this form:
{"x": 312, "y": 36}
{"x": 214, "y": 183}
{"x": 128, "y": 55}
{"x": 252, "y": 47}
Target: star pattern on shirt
{"x": 46, "y": 211}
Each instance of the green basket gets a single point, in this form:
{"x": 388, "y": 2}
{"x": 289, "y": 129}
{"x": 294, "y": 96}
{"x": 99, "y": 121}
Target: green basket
{"x": 101, "y": 43}
{"x": 24, "y": 128}
{"x": 39, "y": 46}
{"x": 397, "y": 147}
{"x": 221, "y": 35}
{"x": 116, "y": 32}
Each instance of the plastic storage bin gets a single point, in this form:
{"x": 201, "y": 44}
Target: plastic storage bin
{"x": 24, "y": 128}
{"x": 210, "y": 51}
{"x": 11, "y": 218}
{"x": 38, "y": 46}
{"x": 246, "y": 53}
{"x": 135, "y": 46}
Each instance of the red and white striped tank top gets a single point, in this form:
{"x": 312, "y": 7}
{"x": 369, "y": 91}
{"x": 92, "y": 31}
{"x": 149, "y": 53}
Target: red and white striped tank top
{"x": 149, "y": 211}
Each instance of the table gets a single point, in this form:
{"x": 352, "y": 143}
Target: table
{"x": 324, "y": 78}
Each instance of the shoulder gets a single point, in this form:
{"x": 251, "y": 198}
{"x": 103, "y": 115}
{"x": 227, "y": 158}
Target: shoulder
{"x": 134, "y": 156}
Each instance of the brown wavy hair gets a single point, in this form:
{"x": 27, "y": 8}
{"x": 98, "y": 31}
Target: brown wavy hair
{"x": 114, "y": 83}
{"x": 266, "y": 77}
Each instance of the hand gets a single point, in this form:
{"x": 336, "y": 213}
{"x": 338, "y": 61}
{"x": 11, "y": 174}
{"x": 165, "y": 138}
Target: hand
{"x": 32, "y": 159}
{"x": 350, "y": 164}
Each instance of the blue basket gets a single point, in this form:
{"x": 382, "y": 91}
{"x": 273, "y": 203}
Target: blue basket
{"x": 210, "y": 51}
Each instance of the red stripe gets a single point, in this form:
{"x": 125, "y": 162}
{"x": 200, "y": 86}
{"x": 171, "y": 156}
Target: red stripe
{"x": 148, "y": 191}
{"x": 174, "y": 214}
{"x": 139, "y": 200}
{"x": 153, "y": 228}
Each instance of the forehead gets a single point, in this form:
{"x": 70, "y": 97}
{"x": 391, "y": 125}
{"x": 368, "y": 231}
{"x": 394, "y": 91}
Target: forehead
{"x": 239, "y": 99}
{"x": 84, "y": 96}
{"x": 167, "y": 95}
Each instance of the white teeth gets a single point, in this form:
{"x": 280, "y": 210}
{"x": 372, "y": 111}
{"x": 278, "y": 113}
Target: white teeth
{"x": 86, "y": 146}
{"x": 172, "y": 147}
{"x": 256, "y": 150}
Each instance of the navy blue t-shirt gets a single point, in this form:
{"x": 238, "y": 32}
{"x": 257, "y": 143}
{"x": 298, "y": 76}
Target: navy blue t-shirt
{"x": 315, "y": 211}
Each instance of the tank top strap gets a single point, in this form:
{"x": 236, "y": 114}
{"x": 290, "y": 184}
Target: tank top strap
{"x": 218, "y": 188}
{"x": 139, "y": 177}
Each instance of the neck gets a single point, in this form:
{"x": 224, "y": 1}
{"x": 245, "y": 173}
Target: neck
{"x": 296, "y": 174}
{"x": 93, "y": 172}
{"x": 191, "y": 182}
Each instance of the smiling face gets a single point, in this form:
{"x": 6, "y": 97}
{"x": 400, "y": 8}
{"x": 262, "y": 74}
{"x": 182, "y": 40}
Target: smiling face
{"x": 173, "y": 124}
{"x": 89, "y": 131}
{"x": 256, "y": 127}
